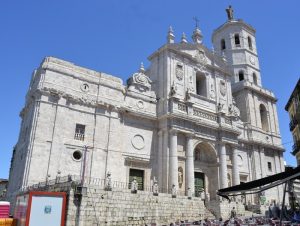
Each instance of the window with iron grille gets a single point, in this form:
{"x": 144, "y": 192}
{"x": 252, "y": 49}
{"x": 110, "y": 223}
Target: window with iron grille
{"x": 79, "y": 132}
{"x": 269, "y": 166}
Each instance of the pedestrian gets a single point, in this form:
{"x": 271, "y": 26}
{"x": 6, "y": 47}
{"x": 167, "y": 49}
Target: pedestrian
{"x": 233, "y": 213}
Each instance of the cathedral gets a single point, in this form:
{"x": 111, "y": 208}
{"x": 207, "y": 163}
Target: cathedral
{"x": 196, "y": 120}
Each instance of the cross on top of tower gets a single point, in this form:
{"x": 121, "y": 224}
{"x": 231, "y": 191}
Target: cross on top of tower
{"x": 196, "y": 21}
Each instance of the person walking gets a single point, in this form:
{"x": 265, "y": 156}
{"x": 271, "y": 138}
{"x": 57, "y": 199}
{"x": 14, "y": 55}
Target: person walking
{"x": 233, "y": 213}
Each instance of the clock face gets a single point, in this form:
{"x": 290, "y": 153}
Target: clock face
{"x": 252, "y": 60}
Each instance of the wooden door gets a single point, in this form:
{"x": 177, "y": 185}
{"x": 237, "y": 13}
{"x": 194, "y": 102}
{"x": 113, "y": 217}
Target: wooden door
{"x": 199, "y": 183}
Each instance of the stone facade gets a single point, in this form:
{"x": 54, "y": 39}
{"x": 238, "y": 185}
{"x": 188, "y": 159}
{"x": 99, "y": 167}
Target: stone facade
{"x": 194, "y": 115}
{"x": 292, "y": 107}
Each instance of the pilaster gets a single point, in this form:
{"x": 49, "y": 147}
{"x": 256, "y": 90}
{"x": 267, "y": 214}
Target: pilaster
{"x": 173, "y": 160}
{"x": 189, "y": 164}
{"x": 235, "y": 167}
{"x": 222, "y": 165}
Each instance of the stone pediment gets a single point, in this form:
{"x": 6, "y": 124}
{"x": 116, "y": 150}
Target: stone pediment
{"x": 199, "y": 54}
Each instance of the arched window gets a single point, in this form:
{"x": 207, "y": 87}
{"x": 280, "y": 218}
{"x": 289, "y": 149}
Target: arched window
{"x": 254, "y": 79}
{"x": 223, "y": 44}
{"x": 201, "y": 84}
{"x": 237, "y": 39}
{"x": 241, "y": 75}
{"x": 264, "y": 117}
{"x": 249, "y": 42}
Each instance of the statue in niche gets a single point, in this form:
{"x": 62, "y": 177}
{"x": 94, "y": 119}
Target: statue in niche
{"x": 233, "y": 109}
{"x": 220, "y": 107}
{"x": 197, "y": 155}
{"x": 180, "y": 176}
{"x": 212, "y": 92}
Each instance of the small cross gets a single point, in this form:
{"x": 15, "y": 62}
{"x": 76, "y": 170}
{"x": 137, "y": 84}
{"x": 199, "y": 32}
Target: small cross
{"x": 196, "y": 21}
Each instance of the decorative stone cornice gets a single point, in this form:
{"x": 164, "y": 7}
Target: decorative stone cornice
{"x": 250, "y": 86}
{"x": 238, "y": 22}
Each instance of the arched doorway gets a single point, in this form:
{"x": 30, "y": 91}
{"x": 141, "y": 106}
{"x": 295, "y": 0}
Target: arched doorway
{"x": 206, "y": 169}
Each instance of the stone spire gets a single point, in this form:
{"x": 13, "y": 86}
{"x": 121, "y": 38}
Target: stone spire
{"x": 197, "y": 36}
{"x": 171, "y": 36}
{"x": 183, "y": 38}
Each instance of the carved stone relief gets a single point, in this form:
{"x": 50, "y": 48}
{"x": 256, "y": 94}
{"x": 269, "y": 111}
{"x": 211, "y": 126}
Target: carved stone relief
{"x": 201, "y": 59}
{"x": 222, "y": 88}
{"x": 140, "y": 104}
{"x": 179, "y": 72}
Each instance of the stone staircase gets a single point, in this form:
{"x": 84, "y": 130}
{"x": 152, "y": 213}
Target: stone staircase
{"x": 208, "y": 214}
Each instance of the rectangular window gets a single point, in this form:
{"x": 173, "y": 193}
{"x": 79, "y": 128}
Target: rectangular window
{"x": 79, "y": 132}
{"x": 269, "y": 166}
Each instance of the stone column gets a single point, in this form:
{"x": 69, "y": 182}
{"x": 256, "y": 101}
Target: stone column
{"x": 173, "y": 169}
{"x": 165, "y": 160}
{"x": 235, "y": 167}
{"x": 189, "y": 165}
{"x": 223, "y": 166}
{"x": 160, "y": 158}
{"x": 262, "y": 162}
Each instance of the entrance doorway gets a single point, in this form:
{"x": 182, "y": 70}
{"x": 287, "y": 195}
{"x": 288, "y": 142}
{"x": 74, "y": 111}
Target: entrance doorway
{"x": 139, "y": 176}
{"x": 206, "y": 170}
{"x": 199, "y": 183}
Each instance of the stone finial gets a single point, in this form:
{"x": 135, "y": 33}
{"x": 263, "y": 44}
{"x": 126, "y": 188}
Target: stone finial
{"x": 155, "y": 187}
{"x": 183, "y": 38}
{"x": 171, "y": 36}
{"x": 197, "y": 36}
{"x": 108, "y": 182}
{"x": 142, "y": 69}
{"x": 173, "y": 191}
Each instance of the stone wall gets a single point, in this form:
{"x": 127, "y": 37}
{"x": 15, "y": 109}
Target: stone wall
{"x": 121, "y": 207}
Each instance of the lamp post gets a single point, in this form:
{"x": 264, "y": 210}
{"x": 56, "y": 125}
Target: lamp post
{"x": 83, "y": 165}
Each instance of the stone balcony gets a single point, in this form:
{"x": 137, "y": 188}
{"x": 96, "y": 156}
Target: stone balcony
{"x": 204, "y": 115}
{"x": 296, "y": 148}
{"x": 202, "y": 102}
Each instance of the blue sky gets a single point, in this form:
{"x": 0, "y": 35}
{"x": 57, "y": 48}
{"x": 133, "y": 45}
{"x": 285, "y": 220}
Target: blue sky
{"x": 115, "y": 36}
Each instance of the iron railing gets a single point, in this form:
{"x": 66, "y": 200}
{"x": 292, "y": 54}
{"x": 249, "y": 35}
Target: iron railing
{"x": 94, "y": 182}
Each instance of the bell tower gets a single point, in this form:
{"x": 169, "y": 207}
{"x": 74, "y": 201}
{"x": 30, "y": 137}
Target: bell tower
{"x": 235, "y": 41}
